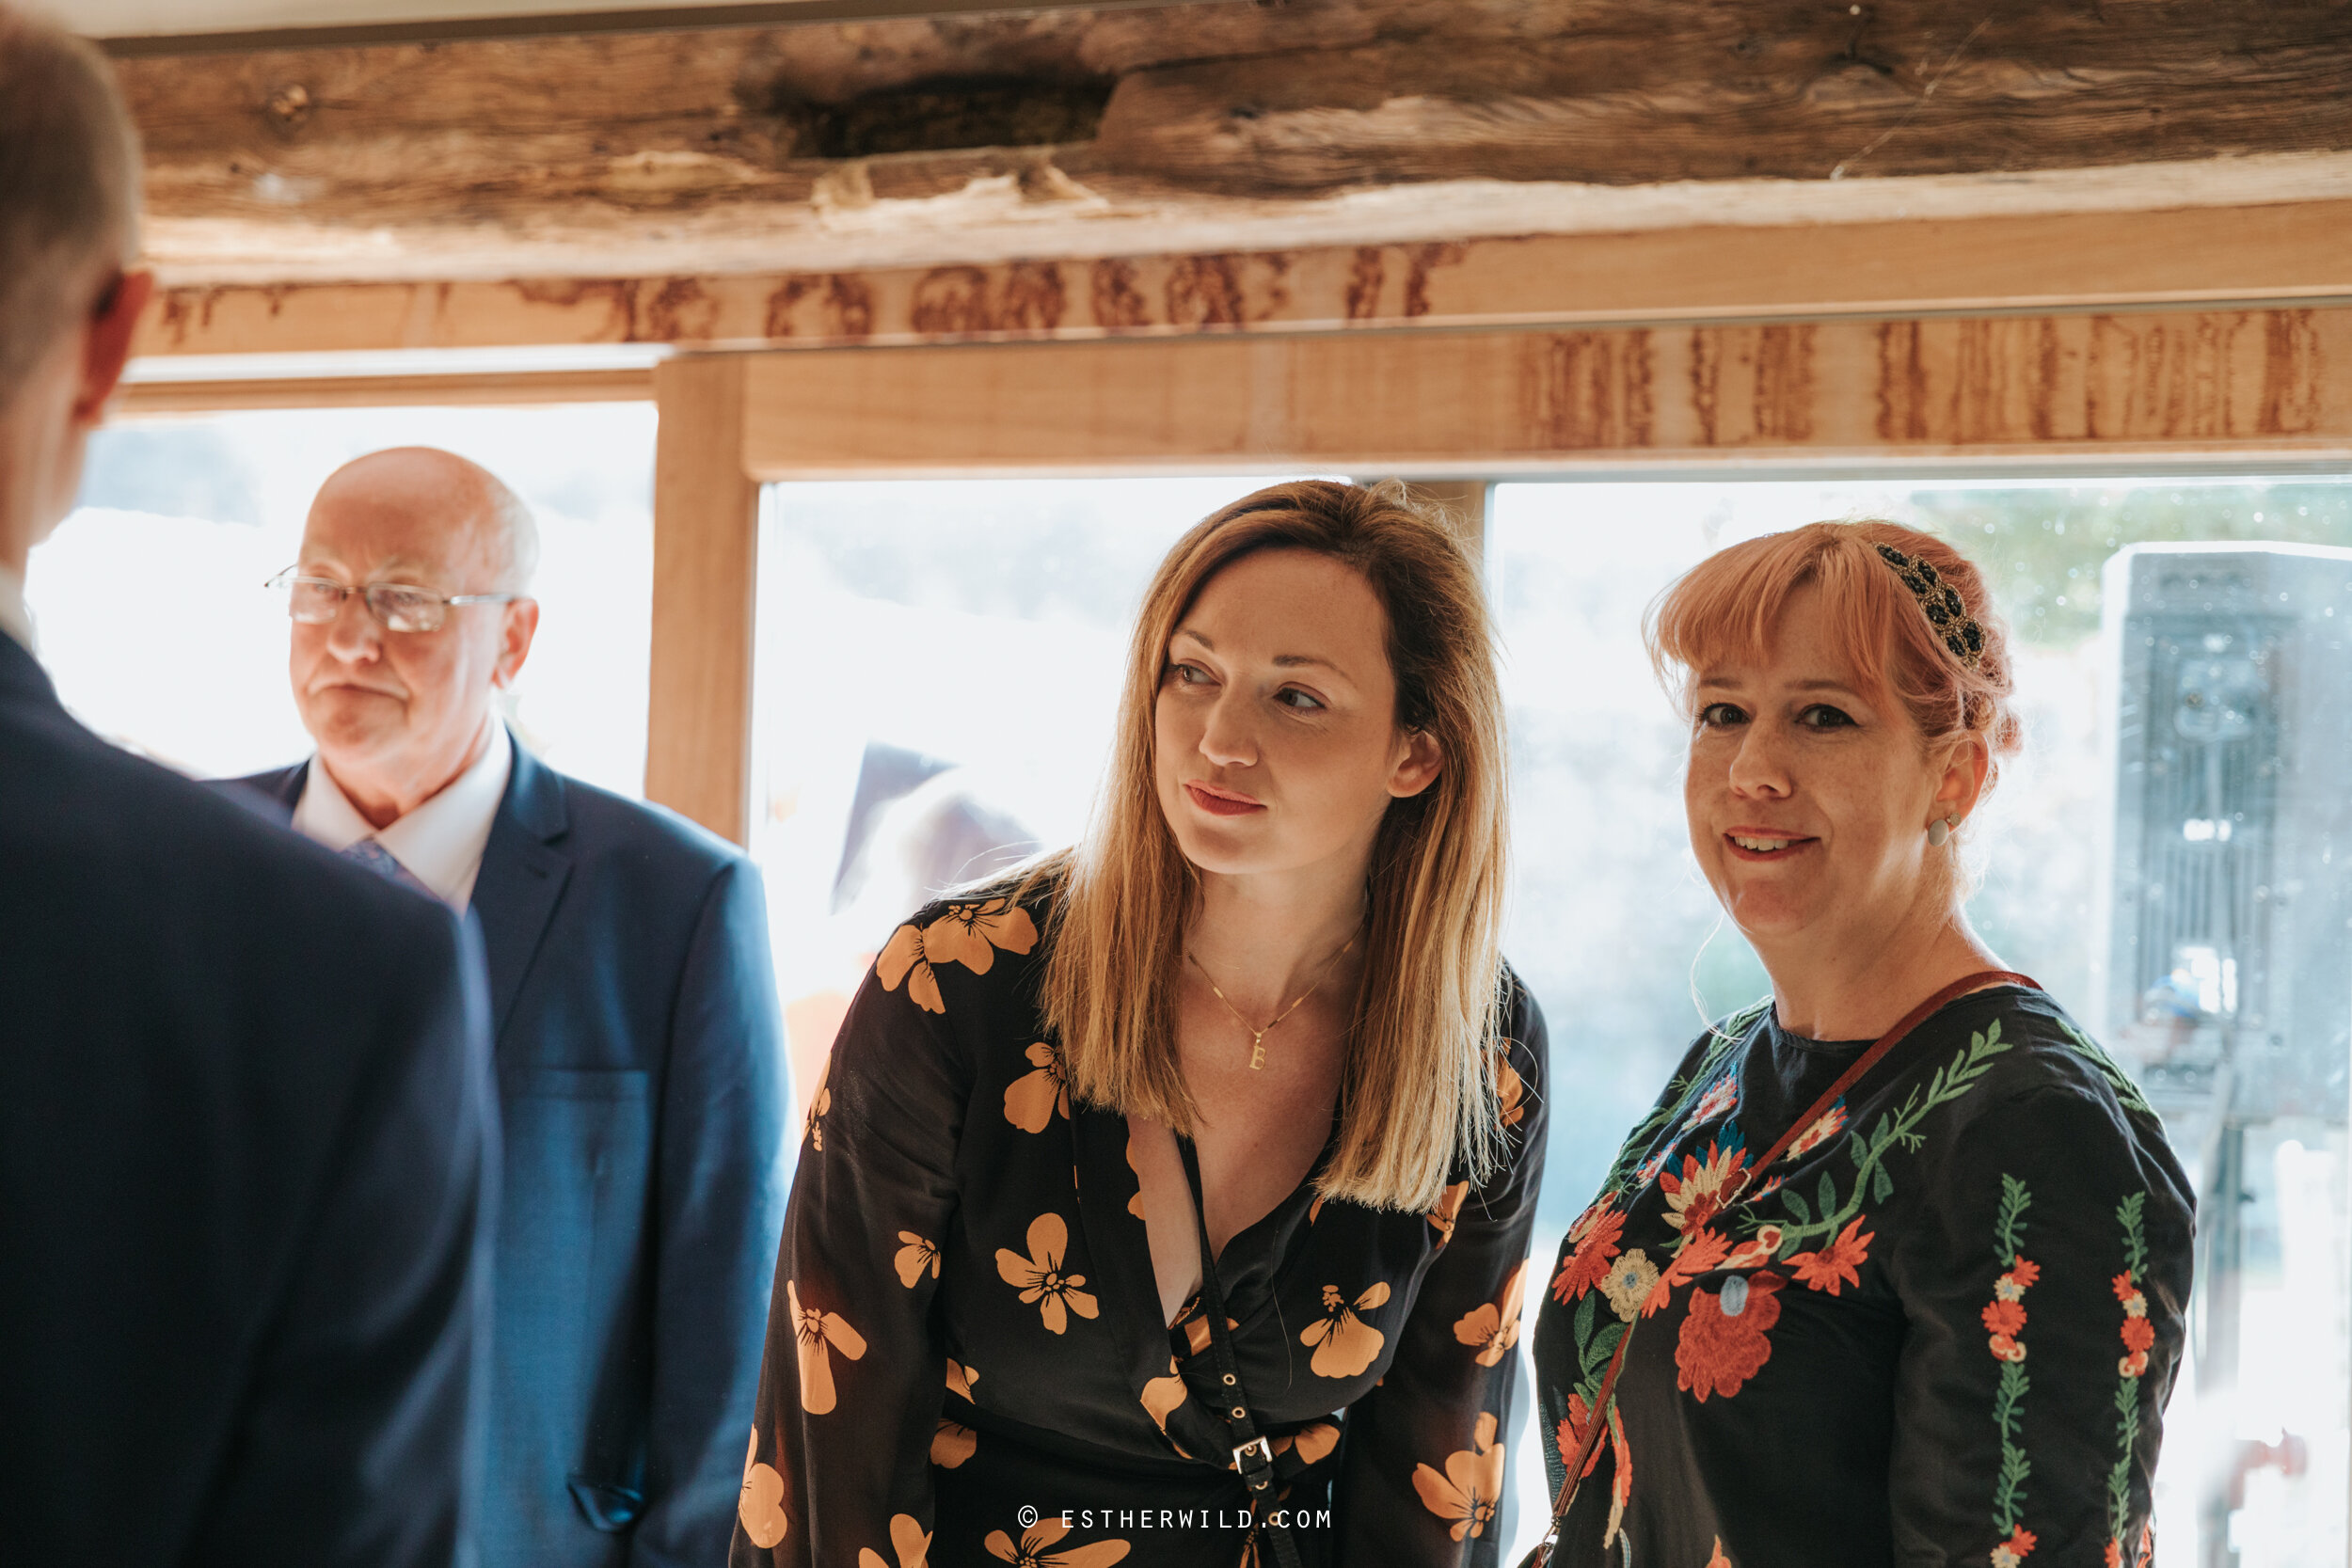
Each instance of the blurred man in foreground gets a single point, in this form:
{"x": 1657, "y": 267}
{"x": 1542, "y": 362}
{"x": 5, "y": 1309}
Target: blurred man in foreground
{"x": 639, "y": 1050}
{"x": 246, "y": 1146}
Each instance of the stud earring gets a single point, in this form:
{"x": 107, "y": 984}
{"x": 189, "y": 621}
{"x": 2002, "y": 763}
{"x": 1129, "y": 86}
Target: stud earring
{"x": 1939, "y": 833}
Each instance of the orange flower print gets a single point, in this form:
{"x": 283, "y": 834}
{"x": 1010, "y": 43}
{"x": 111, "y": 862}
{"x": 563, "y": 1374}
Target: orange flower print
{"x": 1494, "y": 1328}
{"x": 907, "y": 1540}
{"x": 1758, "y": 1248}
{"x": 2014, "y": 1550}
{"x": 1510, "y": 1089}
{"x": 1135, "y": 1203}
{"x": 1033, "y": 1552}
{"x": 1449, "y": 1206}
{"x": 1651, "y": 1166}
{"x": 813, "y": 1125}
{"x": 2114, "y": 1557}
{"x": 1825, "y": 1127}
{"x": 970, "y": 934}
{"x": 1314, "y": 1442}
{"x": 1343, "y": 1343}
{"x": 1722, "y": 1344}
{"x": 1040, "y": 1278}
{"x": 2004, "y": 1316}
{"x": 1696, "y": 1195}
{"x": 916, "y": 1257}
{"x": 1468, "y": 1494}
{"x": 902, "y": 958}
{"x": 1837, "y": 1264}
{"x": 1315, "y": 1210}
{"x": 1593, "y": 1241}
{"x": 819, "y": 1334}
{"x": 954, "y": 1442}
{"x": 1162, "y": 1395}
{"x": 1719, "y": 1099}
{"x": 1628, "y": 1283}
{"x": 761, "y": 1506}
{"x": 1037, "y": 1096}
{"x": 1717, "y": 1560}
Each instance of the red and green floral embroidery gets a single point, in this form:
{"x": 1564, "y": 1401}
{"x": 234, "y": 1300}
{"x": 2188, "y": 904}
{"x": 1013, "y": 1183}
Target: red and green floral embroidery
{"x": 2117, "y": 1079}
{"x": 1826, "y": 1214}
{"x": 1825, "y": 1127}
{"x": 1836, "y": 1265}
{"x": 2005, "y": 1320}
{"x": 1695, "y": 1193}
{"x": 2138, "y": 1335}
{"x": 1724, "y": 1343}
{"x": 1675, "y": 1106}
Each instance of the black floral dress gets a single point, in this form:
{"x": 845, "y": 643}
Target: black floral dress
{"x": 1836, "y": 1370}
{"x": 967, "y": 1362}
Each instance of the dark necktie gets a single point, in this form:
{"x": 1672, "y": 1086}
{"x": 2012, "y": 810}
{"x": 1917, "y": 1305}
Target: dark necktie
{"x": 371, "y": 854}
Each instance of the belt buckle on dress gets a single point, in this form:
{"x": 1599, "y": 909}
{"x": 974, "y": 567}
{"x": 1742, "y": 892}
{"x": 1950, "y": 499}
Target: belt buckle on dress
{"x": 1264, "y": 1450}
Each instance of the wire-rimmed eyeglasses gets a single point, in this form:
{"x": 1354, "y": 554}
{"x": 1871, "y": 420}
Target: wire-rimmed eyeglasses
{"x": 400, "y": 605}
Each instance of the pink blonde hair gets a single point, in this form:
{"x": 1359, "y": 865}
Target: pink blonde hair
{"x": 1730, "y": 605}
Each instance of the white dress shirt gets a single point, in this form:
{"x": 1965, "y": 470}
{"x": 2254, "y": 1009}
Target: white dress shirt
{"x": 440, "y": 842}
{"x": 14, "y": 618}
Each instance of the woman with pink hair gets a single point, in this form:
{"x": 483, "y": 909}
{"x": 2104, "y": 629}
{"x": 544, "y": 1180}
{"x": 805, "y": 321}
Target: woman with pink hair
{"x": 1795, "y": 1324}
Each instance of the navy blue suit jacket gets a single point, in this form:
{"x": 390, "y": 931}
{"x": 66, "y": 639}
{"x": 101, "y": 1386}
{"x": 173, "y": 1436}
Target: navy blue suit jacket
{"x": 640, "y": 1070}
{"x": 247, "y": 1168}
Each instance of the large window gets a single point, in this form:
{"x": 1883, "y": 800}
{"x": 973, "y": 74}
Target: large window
{"x": 152, "y": 621}
{"x": 938, "y": 667}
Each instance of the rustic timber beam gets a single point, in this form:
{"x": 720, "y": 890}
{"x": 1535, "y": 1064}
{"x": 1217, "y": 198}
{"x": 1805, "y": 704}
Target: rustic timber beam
{"x": 838, "y": 141}
{"x": 705, "y": 574}
{"x": 2048, "y": 261}
{"x": 433, "y": 26}
{"x": 2274, "y": 384}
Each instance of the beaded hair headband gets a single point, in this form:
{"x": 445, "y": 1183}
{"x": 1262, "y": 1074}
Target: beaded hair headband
{"x": 1942, "y": 604}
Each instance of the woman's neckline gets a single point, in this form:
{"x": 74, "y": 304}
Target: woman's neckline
{"x": 1781, "y": 1035}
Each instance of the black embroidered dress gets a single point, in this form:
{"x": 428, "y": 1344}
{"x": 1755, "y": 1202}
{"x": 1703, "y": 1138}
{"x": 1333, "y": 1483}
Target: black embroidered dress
{"x": 967, "y": 1362}
{"x": 1834, "y": 1372}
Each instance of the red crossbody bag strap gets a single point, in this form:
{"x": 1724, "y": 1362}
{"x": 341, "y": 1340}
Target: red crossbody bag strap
{"x": 1541, "y": 1556}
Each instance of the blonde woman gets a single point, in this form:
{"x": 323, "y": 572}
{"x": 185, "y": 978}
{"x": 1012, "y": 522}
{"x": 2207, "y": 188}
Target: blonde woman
{"x": 1268, "y": 978}
{"x": 1803, "y": 1301}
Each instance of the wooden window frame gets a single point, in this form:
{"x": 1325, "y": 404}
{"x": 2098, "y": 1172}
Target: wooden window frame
{"x": 2201, "y": 386}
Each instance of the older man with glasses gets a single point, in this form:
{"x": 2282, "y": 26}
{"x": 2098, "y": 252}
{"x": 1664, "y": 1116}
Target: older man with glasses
{"x": 639, "y": 1050}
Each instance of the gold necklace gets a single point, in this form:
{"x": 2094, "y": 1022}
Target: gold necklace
{"x": 1257, "y": 1036}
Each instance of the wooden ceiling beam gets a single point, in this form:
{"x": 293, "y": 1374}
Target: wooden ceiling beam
{"x": 919, "y": 139}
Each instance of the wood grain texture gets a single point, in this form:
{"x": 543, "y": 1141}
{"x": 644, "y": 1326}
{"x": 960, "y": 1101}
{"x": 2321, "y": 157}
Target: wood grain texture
{"x": 2058, "y": 260}
{"x": 501, "y": 390}
{"x": 387, "y": 155}
{"x": 2239, "y": 382}
{"x": 706, "y": 537}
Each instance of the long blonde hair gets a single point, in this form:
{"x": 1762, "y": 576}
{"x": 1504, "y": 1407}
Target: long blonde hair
{"x": 1418, "y": 1095}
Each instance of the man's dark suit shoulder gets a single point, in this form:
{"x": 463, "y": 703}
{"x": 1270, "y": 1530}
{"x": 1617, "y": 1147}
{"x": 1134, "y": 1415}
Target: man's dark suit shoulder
{"x": 250, "y": 1176}
{"x": 237, "y": 885}
{"x": 665, "y": 847}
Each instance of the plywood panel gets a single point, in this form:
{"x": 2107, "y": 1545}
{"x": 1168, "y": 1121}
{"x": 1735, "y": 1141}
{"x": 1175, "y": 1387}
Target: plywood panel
{"x": 2244, "y": 381}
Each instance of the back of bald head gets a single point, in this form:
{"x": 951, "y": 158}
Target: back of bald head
{"x": 428, "y": 482}
{"x": 69, "y": 186}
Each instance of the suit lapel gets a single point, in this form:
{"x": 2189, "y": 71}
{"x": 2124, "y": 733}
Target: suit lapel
{"x": 522, "y": 878}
